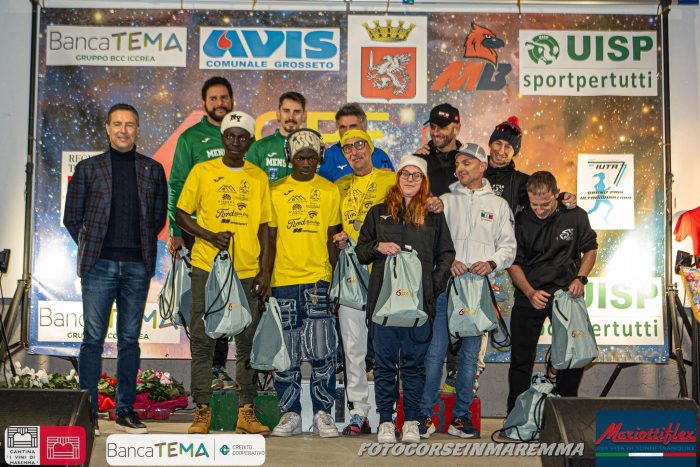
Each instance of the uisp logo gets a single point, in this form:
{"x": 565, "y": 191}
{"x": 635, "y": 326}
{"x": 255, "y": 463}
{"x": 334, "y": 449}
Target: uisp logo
{"x": 269, "y": 49}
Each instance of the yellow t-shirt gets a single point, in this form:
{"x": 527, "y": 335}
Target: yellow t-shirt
{"x": 228, "y": 199}
{"x": 358, "y": 194}
{"x": 302, "y": 213}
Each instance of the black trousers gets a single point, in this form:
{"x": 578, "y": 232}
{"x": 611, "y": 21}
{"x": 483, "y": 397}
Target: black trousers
{"x": 525, "y": 326}
{"x": 221, "y": 346}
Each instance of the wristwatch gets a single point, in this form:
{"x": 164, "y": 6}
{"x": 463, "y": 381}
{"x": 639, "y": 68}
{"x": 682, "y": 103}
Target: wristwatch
{"x": 582, "y": 279}
{"x": 493, "y": 265}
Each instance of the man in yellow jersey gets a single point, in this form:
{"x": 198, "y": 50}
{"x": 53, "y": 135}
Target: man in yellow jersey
{"x": 359, "y": 191}
{"x": 232, "y": 200}
{"x": 305, "y": 216}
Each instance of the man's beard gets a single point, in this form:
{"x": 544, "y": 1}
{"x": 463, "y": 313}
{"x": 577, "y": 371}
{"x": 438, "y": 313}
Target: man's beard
{"x": 216, "y": 118}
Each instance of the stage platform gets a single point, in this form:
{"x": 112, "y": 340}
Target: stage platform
{"x": 309, "y": 450}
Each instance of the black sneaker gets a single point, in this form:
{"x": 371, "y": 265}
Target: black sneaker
{"x": 462, "y": 427}
{"x": 130, "y": 423}
{"x": 426, "y": 427}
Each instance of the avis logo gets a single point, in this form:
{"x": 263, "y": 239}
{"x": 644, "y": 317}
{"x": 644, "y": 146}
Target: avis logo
{"x": 403, "y": 292}
{"x": 481, "y": 71}
{"x": 270, "y": 48}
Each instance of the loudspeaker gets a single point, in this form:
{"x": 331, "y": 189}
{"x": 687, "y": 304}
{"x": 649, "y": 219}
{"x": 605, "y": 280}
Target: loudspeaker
{"x": 573, "y": 419}
{"x": 37, "y": 407}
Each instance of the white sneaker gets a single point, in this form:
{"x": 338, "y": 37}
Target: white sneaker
{"x": 386, "y": 433}
{"x": 289, "y": 425}
{"x": 410, "y": 432}
{"x": 324, "y": 426}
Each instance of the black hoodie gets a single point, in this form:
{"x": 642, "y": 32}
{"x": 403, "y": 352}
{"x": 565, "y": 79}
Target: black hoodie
{"x": 441, "y": 169}
{"x": 549, "y": 250}
{"x": 509, "y": 184}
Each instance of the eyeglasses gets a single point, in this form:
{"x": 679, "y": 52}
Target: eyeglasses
{"x": 359, "y": 145}
{"x": 416, "y": 176}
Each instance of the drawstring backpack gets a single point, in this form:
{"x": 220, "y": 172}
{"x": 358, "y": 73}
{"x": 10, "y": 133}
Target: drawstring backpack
{"x": 175, "y": 298}
{"x": 350, "y": 280}
{"x": 573, "y": 341}
{"x": 227, "y": 309}
{"x": 400, "y": 301}
{"x": 269, "y": 351}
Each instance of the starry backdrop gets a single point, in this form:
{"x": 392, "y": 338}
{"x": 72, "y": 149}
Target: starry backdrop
{"x": 73, "y": 100}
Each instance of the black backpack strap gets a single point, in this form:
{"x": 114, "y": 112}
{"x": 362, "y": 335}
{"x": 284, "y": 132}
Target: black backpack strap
{"x": 503, "y": 344}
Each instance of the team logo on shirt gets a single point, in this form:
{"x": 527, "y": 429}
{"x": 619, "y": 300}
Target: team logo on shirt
{"x": 567, "y": 235}
{"x": 497, "y": 189}
{"x": 227, "y": 189}
{"x": 218, "y": 179}
{"x": 313, "y": 214}
{"x": 486, "y": 216}
{"x": 241, "y": 206}
{"x": 244, "y": 187}
{"x": 296, "y": 199}
{"x": 315, "y": 195}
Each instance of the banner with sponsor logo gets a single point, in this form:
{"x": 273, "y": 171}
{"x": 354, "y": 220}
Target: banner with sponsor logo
{"x": 398, "y": 67}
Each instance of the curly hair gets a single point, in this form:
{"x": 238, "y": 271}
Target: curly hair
{"x": 416, "y": 211}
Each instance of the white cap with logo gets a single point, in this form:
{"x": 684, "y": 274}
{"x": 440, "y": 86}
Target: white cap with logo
{"x": 473, "y": 150}
{"x": 238, "y": 120}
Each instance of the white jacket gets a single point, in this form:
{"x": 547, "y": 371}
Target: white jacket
{"x": 481, "y": 225}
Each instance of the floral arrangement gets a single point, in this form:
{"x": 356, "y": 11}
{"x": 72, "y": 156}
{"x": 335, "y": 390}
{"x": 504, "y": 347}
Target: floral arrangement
{"x": 154, "y": 389}
{"x": 27, "y": 378}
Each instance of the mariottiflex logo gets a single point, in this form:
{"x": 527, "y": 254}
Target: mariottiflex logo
{"x": 646, "y": 437}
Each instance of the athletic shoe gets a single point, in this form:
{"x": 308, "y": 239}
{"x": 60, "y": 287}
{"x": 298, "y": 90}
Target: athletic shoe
{"x": 358, "y": 425}
{"x": 462, "y": 427}
{"x": 324, "y": 426}
{"x": 289, "y": 425}
{"x": 450, "y": 383}
{"x": 130, "y": 423}
{"x": 410, "y": 432}
{"x": 386, "y": 433}
{"x": 426, "y": 427}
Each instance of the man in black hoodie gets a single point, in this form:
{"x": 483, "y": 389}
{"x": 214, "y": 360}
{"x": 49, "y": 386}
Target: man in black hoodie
{"x": 440, "y": 151}
{"x": 556, "y": 250}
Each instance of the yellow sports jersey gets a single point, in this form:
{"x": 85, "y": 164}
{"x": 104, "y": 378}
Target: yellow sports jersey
{"x": 358, "y": 194}
{"x": 228, "y": 199}
{"x": 302, "y": 213}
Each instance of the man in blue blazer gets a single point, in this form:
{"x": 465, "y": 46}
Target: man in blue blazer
{"x": 115, "y": 207}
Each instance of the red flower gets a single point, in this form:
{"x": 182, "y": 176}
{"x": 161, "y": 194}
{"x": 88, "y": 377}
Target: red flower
{"x": 112, "y": 382}
{"x": 104, "y": 375}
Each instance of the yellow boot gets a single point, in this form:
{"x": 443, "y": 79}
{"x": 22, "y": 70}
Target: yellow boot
{"x": 248, "y": 422}
{"x": 202, "y": 420}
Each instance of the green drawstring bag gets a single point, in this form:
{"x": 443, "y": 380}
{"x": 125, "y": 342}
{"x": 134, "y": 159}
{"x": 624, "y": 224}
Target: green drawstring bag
{"x": 269, "y": 351}
{"x": 227, "y": 312}
{"x": 471, "y": 307}
{"x": 573, "y": 341}
{"x": 175, "y": 298}
{"x": 400, "y": 301}
{"x": 350, "y": 280}
{"x": 524, "y": 422}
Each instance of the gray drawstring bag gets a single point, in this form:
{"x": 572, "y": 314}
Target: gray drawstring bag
{"x": 350, "y": 280}
{"x": 175, "y": 298}
{"x": 269, "y": 351}
{"x": 227, "y": 312}
{"x": 524, "y": 422}
{"x": 400, "y": 301}
{"x": 470, "y": 306}
{"x": 573, "y": 341}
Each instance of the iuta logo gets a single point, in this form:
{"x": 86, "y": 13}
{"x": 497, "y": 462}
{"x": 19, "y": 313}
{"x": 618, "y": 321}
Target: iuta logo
{"x": 481, "y": 70}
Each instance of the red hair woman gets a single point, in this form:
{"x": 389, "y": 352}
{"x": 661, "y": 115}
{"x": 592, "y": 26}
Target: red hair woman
{"x": 402, "y": 222}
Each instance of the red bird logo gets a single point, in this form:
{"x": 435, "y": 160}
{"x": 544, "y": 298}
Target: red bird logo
{"x": 482, "y": 43}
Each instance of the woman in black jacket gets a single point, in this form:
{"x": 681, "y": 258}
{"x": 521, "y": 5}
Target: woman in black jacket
{"x": 402, "y": 222}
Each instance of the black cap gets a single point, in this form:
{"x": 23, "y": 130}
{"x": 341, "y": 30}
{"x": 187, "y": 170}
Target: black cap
{"x": 443, "y": 114}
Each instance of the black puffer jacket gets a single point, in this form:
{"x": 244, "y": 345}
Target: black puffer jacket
{"x": 432, "y": 242}
{"x": 509, "y": 184}
{"x": 441, "y": 169}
